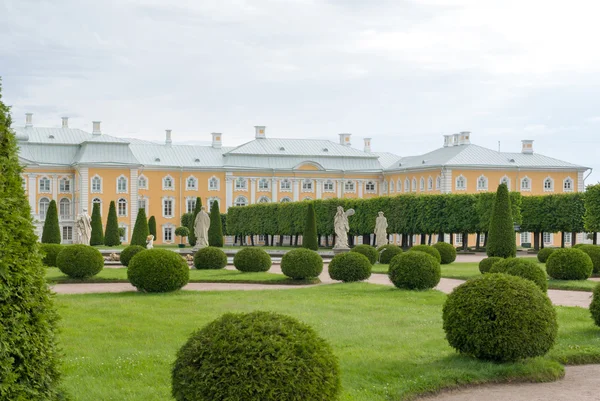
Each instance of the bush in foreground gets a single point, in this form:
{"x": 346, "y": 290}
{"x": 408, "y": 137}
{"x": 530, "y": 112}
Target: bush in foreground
{"x": 569, "y": 264}
{"x": 302, "y": 264}
{"x": 158, "y": 270}
{"x": 429, "y": 250}
{"x": 129, "y": 252}
{"x": 447, "y": 252}
{"x": 367, "y": 250}
{"x": 415, "y": 270}
{"x": 387, "y": 252}
{"x": 252, "y": 260}
{"x": 210, "y": 257}
{"x": 595, "y": 305}
{"x": 500, "y": 318}
{"x": 80, "y": 261}
{"x": 258, "y": 356}
{"x": 350, "y": 266}
{"x": 50, "y": 252}
{"x": 486, "y": 264}
{"x": 524, "y": 268}
{"x": 544, "y": 253}
{"x": 593, "y": 252}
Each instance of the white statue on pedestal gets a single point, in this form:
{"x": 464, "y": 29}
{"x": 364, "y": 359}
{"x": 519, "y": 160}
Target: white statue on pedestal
{"x": 150, "y": 241}
{"x": 381, "y": 225}
{"x": 84, "y": 228}
{"x": 341, "y": 227}
{"x": 201, "y": 225}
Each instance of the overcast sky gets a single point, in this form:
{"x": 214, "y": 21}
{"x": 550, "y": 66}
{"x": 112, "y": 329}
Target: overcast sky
{"x": 401, "y": 72}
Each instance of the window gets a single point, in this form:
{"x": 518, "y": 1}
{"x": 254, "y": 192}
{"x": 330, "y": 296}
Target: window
{"x": 526, "y": 184}
{"x": 399, "y": 185}
{"x": 422, "y": 184}
{"x": 213, "y": 200}
{"x": 241, "y": 201}
{"x": 414, "y": 184}
{"x": 213, "y": 184}
{"x": 458, "y": 238}
{"x": 547, "y": 238}
{"x": 44, "y": 203}
{"x": 64, "y": 207}
{"x": 190, "y": 205}
{"x": 349, "y": 186}
{"x": 482, "y": 183}
{"x": 123, "y": 232}
{"x": 307, "y": 185}
{"x": 548, "y": 185}
{"x": 44, "y": 184}
{"x": 285, "y": 185}
{"x": 285, "y": 199}
{"x": 98, "y": 201}
{"x": 568, "y": 238}
{"x": 406, "y": 185}
{"x": 505, "y": 180}
{"x": 429, "y": 184}
{"x": 263, "y": 184}
{"x": 143, "y": 204}
{"x": 191, "y": 184}
{"x": 142, "y": 182}
{"x": 167, "y": 234}
{"x": 122, "y": 207}
{"x": 370, "y": 186}
{"x": 525, "y": 238}
{"x": 264, "y": 199}
{"x": 168, "y": 183}
{"x": 241, "y": 184}
{"x": 568, "y": 185}
{"x": 482, "y": 239}
{"x": 96, "y": 184}
{"x": 385, "y": 187}
{"x": 67, "y": 233}
{"x": 328, "y": 186}
{"x": 438, "y": 183}
{"x": 307, "y": 198}
{"x": 167, "y": 207}
{"x": 461, "y": 183}
{"x": 65, "y": 185}
{"x": 121, "y": 184}
{"x": 391, "y": 186}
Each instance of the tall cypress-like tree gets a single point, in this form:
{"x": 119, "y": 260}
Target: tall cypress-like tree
{"x": 309, "y": 237}
{"x": 501, "y": 237}
{"x": 28, "y": 321}
{"x": 192, "y": 236}
{"x": 591, "y": 218}
{"x": 97, "y": 237}
{"x": 215, "y": 231}
{"x": 140, "y": 230}
{"x": 111, "y": 236}
{"x": 51, "y": 232}
{"x": 152, "y": 226}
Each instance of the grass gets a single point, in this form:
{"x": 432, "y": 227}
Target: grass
{"x": 390, "y": 343}
{"x": 225, "y": 248}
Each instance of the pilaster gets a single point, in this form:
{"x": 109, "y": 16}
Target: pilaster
{"x": 54, "y": 187}
{"x": 228, "y": 190}
{"x": 85, "y": 189}
{"x": 319, "y": 188}
{"x": 133, "y": 197}
{"x": 32, "y": 191}
{"x": 296, "y": 189}
{"x": 274, "y": 184}
{"x": 252, "y": 191}
{"x": 361, "y": 185}
{"x": 339, "y": 187}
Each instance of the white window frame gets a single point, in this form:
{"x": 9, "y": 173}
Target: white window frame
{"x": 550, "y": 237}
{"x": 193, "y": 187}
{"x": 142, "y": 178}
{"x": 370, "y": 187}
{"x": 568, "y": 238}
{"x": 482, "y": 179}
{"x": 119, "y": 214}
{"x": 241, "y": 184}
{"x": 96, "y": 178}
{"x": 459, "y": 179}
{"x": 399, "y": 185}
{"x": 146, "y": 202}
{"x": 391, "y": 186}
{"x": 438, "y": 182}
{"x": 307, "y": 198}
{"x": 264, "y": 185}
{"x": 349, "y": 186}
{"x": 414, "y": 185}
{"x": 328, "y": 186}
{"x": 168, "y": 200}
{"x": 528, "y": 181}
{"x": 525, "y": 237}
{"x": 214, "y": 184}
{"x": 285, "y": 199}
{"x": 164, "y": 182}
{"x": 66, "y": 234}
{"x": 422, "y": 184}
{"x": 550, "y": 188}
{"x": 263, "y": 199}
{"x": 125, "y": 237}
{"x": 406, "y": 185}
{"x": 571, "y": 185}
{"x": 239, "y": 200}
{"x": 385, "y": 187}
{"x": 61, "y": 214}
{"x": 44, "y": 190}
{"x": 285, "y": 185}
{"x": 430, "y": 183}
{"x": 307, "y": 185}
{"x": 100, "y": 203}
{"x": 64, "y": 185}
{"x": 505, "y": 180}
{"x": 168, "y": 228}
{"x": 187, "y": 204}
{"x": 458, "y": 238}
{"x": 121, "y": 179}
{"x": 211, "y": 200}
{"x": 44, "y": 209}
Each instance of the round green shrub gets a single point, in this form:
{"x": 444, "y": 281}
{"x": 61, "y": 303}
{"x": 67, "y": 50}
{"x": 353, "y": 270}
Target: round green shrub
{"x": 130, "y": 252}
{"x": 301, "y": 264}
{"x": 210, "y": 257}
{"x": 367, "y": 250}
{"x": 595, "y": 305}
{"x": 80, "y": 261}
{"x": 427, "y": 249}
{"x": 569, "y": 264}
{"x": 544, "y": 253}
{"x": 50, "y": 252}
{"x": 500, "y": 318}
{"x": 593, "y": 252}
{"x": 524, "y": 268}
{"x": 252, "y": 260}
{"x": 447, "y": 252}
{"x": 502, "y": 266}
{"x": 387, "y": 252}
{"x": 158, "y": 270}
{"x": 486, "y": 264}
{"x": 350, "y": 266}
{"x": 415, "y": 270}
{"x": 576, "y": 246}
{"x": 258, "y": 356}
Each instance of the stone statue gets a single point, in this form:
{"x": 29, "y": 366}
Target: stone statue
{"x": 201, "y": 225}
{"x": 84, "y": 228}
{"x": 150, "y": 241}
{"x": 381, "y": 225}
{"x": 341, "y": 227}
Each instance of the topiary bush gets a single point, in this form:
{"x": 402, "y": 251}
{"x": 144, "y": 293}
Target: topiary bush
{"x": 387, "y": 252}
{"x": 415, "y": 270}
{"x": 578, "y": 245}
{"x": 367, "y": 250}
{"x": 524, "y": 268}
{"x": 544, "y": 253}
{"x": 140, "y": 229}
{"x": 210, "y": 257}
{"x": 595, "y": 305}
{"x": 501, "y": 234}
{"x": 258, "y": 356}
{"x": 51, "y": 230}
{"x": 215, "y": 230}
{"x": 427, "y": 249}
{"x": 593, "y": 251}
{"x": 50, "y": 252}
{"x": 129, "y": 252}
{"x": 158, "y": 270}
{"x": 309, "y": 235}
{"x": 500, "y": 318}
{"x": 252, "y": 260}
{"x": 447, "y": 252}
{"x": 569, "y": 264}
{"x": 350, "y": 266}
{"x": 486, "y": 264}
{"x": 503, "y": 265}
{"x": 80, "y": 261}
{"x": 302, "y": 264}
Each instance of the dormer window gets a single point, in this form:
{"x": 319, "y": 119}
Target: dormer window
{"x": 282, "y": 148}
{"x": 325, "y": 150}
{"x": 157, "y": 159}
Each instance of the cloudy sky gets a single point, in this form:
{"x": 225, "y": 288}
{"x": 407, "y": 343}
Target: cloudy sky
{"x": 403, "y": 72}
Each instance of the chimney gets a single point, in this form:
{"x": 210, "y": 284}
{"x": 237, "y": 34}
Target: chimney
{"x": 345, "y": 139}
{"x": 28, "y": 120}
{"x": 65, "y": 122}
{"x": 527, "y": 146}
{"x": 217, "y": 140}
{"x": 96, "y": 128}
{"x": 260, "y": 132}
{"x": 168, "y": 140}
{"x": 447, "y": 140}
{"x": 367, "y": 145}
{"x": 464, "y": 138}
{"x": 455, "y": 139}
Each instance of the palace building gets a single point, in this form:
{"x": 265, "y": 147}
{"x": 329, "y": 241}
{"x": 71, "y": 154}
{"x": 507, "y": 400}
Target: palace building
{"x": 78, "y": 168}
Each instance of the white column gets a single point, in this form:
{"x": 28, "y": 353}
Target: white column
{"x": 54, "y": 187}
{"x": 31, "y": 192}
{"x": 447, "y": 182}
{"x": 252, "y": 191}
{"x": 319, "y": 189}
{"x": 85, "y": 189}
{"x": 296, "y": 189}
{"x": 360, "y": 184}
{"x": 339, "y": 184}
{"x": 274, "y": 190}
{"x": 580, "y": 183}
{"x": 133, "y": 197}
{"x": 228, "y": 191}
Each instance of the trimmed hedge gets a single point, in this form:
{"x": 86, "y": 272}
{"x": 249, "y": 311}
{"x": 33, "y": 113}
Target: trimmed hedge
{"x": 387, "y": 252}
{"x": 51, "y": 230}
{"x": 50, "y": 252}
{"x": 129, "y": 252}
{"x": 210, "y": 258}
{"x": 524, "y": 268}
{"x": 80, "y": 261}
{"x": 215, "y": 230}
{"x": 501, "y": 235}
{"x": 111, "y": 233}
{"x": 258, "y": 356}
{"x": 595, "y": 305}
{"x": 367, "y": 250}
{"x": 569, "y": 264}
{"x": 140, "y": 229}
{"x": 97, "y": 236}
{"x": 447, "y": 252}
{"x": 593, "y": 252}
{"x": 500, "y": 318}
{"x": 415, "y": 270}
{"x": 158, "y": 270}
{"x": 309, "y": 236}
{"x": 152, "y": 227}
{"x": 302, "y": 264}
{"x": 429, "y": 250}
{"x": 252, "y": 260}
{"x": 350, "y": 266}
{"x": 486, "y": 264}
{"x": 544, "y": 253}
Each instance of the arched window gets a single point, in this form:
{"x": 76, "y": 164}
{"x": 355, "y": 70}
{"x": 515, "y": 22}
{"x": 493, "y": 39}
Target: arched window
{"x": 505, "y": 180}
{"x": 263, "y": 184}
{"x": 44, "y": 203}
{"x": 429, "y": 184}
{"x": 307, "y": 185}
{"x": 391, "y": 186}
{"x": 438, "y": 182}
{"x": 482, "y": 183}
{"x": 264, "y": 199}
{"x": 414, "y": 184}
{"x": 142, "y": 182}
{"x": 96, "y": 184}
{"x": 44, "y": 184}
{"x": 65, "y": 185}
{"x": 241, "y": 201}
{"x": 122, "y": 207}
{"x": 328, "y": 186}
{"x": 64, "y": 208}
{"x": 526, "y": 184}
{"x": 168, "y": 183}
{"x": 385, "y": 187}
{"x": 285, "y": 185}
{"x": 241, "y": 184}
{"x": 399, "y": 185}
{"x": 191, "y": 184}
{"x": 213, "y": 184}
{"x": 461, "y": 183}
{"x": 406, "y": 185}
{"x": 422, "y": 184}
{"x": 548, "y": 185}
{"x": 349, "y": 186}
{"x": 143, "y": 203}
{"x": 96, "y": 200}
{"x": 213, "y": 200}
{"x": 307, "y": 198}
{"x": 285, "y": 199}
{"x": 568, "y": 185}
{"x": 121, "y": 184}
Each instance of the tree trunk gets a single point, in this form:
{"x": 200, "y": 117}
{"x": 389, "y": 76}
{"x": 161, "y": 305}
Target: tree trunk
{"x": 423, "y": 239}
{"x": 562, "y": 239}
{"x": 465, "y": 241}
{"x": 366, "y": 239}
{"x": 451, "y": 238}
{"x": 333, "y": 241}
{"x": 404, "y": 241}
{"x": 536, "y": 241}
{"x": 291, "y": 239}
{"x": 595, "y": 238}
{"x": 429, "y": 240}
{"x": 478, "y": 239}
{"x": 350, "y": 240}
{"x": 252, "y": 240}
{"x": 542, "y": 240}
{"x": 296, "y": 240}
{"x": 327, "y": 241}
{"x": 573, "y": 239}
{"x": 410, "y": 240}
{"x": 485, "y": 238}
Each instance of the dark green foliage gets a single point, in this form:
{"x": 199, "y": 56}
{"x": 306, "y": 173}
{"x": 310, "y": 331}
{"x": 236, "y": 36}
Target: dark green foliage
{"x": 50, "y": 252}
{"x": 367, "y": 250}
{"x": 504, "y": 265}
{"x": 111, "y": 235}
{"x": 97, "y": 236}
{"x": 524, "y": 268}
{"x": 447, "y": 252}
{"x": 501, "y": 237}
{"x": 182, "y": 232}
{"x": 252, "y": 260}
{"x": 187, "y": 219}
{"x": 595, "y": 305}
{"x": 215, "y": 230}
{"x": 29, "y": 368}
{"x": 577, "y": 246}
{"x": 415, "y": 270}
{"x": 51, "y": 232}
{"x": 500, "y": 318}
{"x": 428, "y": 249}
{"x": 569, "y": 264}
{"x": 309, "y": 236}
{"x": 486, "y": 264}
{"x": 158, "y": 270}
{"x": 591, "y": 217}
{"x": 140, "y": 230}
{"x": 387, "y": 252}
{"x": 593, "y": 252}
{"x": 210, "y": 257}
{"x": 197, "y": 209}
{"x": 80, "y": 261}
{"x": 258, "y": 356}
{"x": 544, "y": 254}
{"x": 302, "y": 264}
{"x": 130, "y": 252}
{"x": 350, "y": 266}
{"x": 152, "y": 226}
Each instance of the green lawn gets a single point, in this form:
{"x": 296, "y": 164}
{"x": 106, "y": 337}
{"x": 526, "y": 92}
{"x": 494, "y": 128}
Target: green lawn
{"x": 390, "y": 343}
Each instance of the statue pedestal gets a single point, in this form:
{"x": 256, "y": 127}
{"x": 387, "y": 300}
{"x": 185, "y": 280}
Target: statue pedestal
{"x": 197, "y": 247}
{"x": 340, "y": 250}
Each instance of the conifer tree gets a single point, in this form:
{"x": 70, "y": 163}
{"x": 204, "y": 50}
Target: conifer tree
{"x": 111, "y": 236}
{"x": 51, "y": 232}
{"x": 140, "y": 230}
{"x": 97, "y": 237}
{"x": 152, "y": 226}
{"x": 501, "y": 241}
{"x": 192, "y": 236}
{"x": 309, "y": 237}
{"x": 215, "y": 231}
